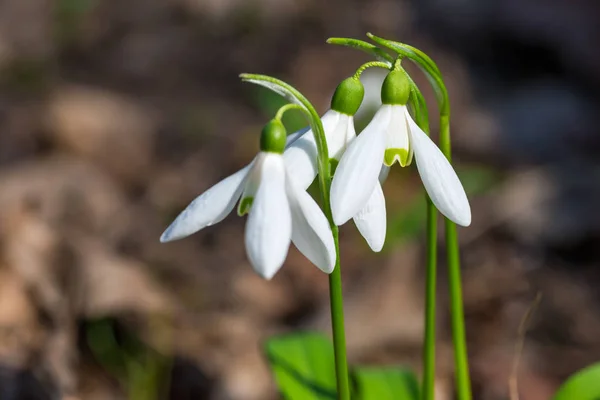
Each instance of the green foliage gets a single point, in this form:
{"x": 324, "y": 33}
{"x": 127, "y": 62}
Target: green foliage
{"x": 303, "y": 366}
{"x": 583, "y": 385}
{"x": 385, "y": 383}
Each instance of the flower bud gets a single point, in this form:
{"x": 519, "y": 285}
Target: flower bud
{"x": 273, "y": 137}
{"x": 395, "y": 89}
{"x": 348, "y": 96}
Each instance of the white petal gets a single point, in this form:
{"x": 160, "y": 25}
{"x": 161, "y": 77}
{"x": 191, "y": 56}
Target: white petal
{"x": 301, "y": 159}
{"x": 292, "y": 137}
{"x": 311, "y": 232}
{"x": 335, "y": 126}
{"x": 269, "y": 227}
{"x": 251, "y": 184}
{"x": 438, "y": 176}
{"x": 358, "y": 171}
{"x": 350, "y": 132}
{"x": 301, "y": 153}
{"x": 371, "y": 220}
{"x": 209, "y": 208}
{"x": 397, "y": 143}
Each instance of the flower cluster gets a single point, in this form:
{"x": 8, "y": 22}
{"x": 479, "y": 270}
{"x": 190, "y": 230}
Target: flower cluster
{"x": 272, "y": 188}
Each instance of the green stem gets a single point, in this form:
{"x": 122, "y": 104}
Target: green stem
{"x": 337, "y": 322}
{"x": 461, "y": 361}
{"x": 419, "y": 108}
{"x": 428, "y": 392}
{"x": 335, "y": 279}
{"x": 283, "y": 109}
{"x": 431, "y": 70}
{"x": 371, "y": 64}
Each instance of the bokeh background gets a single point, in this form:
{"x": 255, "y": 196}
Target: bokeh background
{"x": 114, "y": 114}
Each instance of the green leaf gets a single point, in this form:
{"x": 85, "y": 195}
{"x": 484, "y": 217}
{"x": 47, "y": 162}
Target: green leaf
{"x": 363, "y": 46}
{"x": 303, "y": 365}
{"x": 583, "y": 385}
{"x": 382, "y": 383}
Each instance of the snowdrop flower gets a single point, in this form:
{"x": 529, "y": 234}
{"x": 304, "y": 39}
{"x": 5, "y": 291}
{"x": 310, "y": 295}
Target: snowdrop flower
{"x": 392, "y": 136}
{"x": 338, "y": 124}
{"x": 279, "y": 210}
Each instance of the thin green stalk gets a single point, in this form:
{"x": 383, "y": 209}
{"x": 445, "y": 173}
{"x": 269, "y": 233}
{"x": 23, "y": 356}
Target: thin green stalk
{"x": 378, "y": 64}
{"x": 419, "y": 108}
{"x": 335, "y": 278}
{"x": 337, "y": 322}
{"x": 428, "y": 66}
{"x": 428, "y": 390}
{"x": 461, "y": 361}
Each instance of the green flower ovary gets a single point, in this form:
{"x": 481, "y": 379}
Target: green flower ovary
{"x": 273, "y": 137}
{"x": 348, "y": 96}
{"x": 395, "y": 89}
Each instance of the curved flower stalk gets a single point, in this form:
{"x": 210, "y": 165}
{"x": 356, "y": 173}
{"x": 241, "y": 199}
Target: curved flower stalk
{"x": 338, "y": 125}
{"x": 279, "y": 211}
{"x": 324, "y": 174}
{"x": 393, "y": 137}
{"x": 433, "y": 74}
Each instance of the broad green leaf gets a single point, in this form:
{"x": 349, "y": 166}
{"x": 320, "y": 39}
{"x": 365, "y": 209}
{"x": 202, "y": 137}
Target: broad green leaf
{"x": 583, "y": 385}
{"x": 383, "y": 383}
{"x": 303, "y": 366}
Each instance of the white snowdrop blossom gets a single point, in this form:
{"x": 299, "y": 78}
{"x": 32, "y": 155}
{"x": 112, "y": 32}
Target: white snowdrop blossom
{"x": 392, "y": 136}
{"x": 301, "y": 159}
{"x": 280, "y": 211}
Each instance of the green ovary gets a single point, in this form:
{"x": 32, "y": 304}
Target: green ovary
{"x": 245, "y": 205}
{"x": 391, "y": 155}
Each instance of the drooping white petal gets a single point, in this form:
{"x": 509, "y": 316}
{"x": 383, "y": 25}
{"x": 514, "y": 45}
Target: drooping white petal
{"x": 251, "y": 184}
{"x": 350, "y": 132}
{"x": 335, "y": 125}
{"x": 438, "y": 176}
{"x": 292, "y": 137}
{"x": 209, "y": 208}
{"x": 358, "y": 171}
{"x": 371, "y": 220}
{"x": 301, "y": 159}
{"x": 397, "y": 147}
{"x": 269, "y": 226}
{"x": 311, "y": 232}
{"x": 301, "y": 154}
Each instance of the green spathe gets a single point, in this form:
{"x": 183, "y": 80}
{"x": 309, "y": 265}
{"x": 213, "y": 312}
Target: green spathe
{"x": 273, "y": 137}
{"x": 348, "y": 96}
{"x": 395, "y": 89}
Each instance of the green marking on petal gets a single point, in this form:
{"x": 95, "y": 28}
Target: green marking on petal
{"x": 245, "y": 205}
{"x": 393, "y": 155}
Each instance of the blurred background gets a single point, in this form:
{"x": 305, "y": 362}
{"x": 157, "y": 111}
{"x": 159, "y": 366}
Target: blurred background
{"x": 115, "y": 114}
